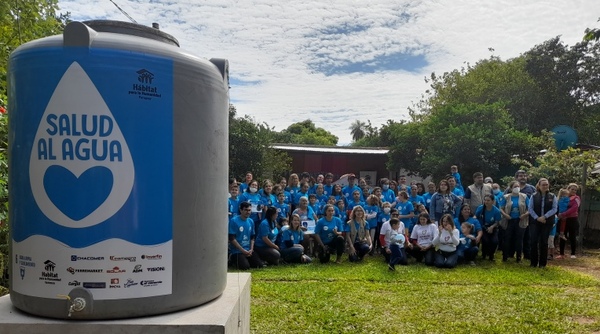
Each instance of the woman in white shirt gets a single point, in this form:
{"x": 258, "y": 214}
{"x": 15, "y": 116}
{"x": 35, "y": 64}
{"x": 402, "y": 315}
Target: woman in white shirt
{"x": 446, "y": 241}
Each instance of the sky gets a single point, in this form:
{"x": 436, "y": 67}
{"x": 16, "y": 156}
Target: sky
{"x": 335, "y": 62}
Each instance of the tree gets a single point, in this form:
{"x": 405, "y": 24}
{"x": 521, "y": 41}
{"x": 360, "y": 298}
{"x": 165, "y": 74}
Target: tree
{"x": 358, "y": 129}
{"x": 592, "y": 34}
{"x": 549, "y": 85}
{"x": 23, "y": 21}
{"x": 250, "y": 149}
{"x": 476, "y": 137}
{"x": 306, "y": 133}
{"x": 563, "y": 167}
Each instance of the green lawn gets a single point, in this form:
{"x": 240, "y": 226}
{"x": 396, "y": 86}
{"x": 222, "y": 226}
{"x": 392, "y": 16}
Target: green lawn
{"x": 367, "y": 298}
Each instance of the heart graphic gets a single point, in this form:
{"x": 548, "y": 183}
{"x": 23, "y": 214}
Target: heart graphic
{"x": 77, "y": 197}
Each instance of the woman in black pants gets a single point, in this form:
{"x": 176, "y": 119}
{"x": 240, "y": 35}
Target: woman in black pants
{"x": 572, "y": 221}
{"x": 542, "y": 209}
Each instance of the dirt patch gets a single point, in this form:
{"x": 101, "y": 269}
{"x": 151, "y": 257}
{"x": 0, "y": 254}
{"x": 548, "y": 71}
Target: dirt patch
{"x": 587, "y": 262}
{"x": 584, "y": 320}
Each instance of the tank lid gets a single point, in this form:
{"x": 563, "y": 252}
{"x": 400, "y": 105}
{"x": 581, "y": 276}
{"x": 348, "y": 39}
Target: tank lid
{"x": 128, "y": 28}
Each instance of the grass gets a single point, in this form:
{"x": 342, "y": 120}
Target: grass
{"x": 367, "y": 298}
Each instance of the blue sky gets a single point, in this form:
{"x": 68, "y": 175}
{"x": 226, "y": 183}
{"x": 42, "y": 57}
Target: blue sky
{"x": 338, "y": 61}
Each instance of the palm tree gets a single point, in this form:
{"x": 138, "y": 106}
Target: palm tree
{"x": 357, "y": 129}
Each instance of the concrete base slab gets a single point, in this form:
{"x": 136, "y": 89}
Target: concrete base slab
{"x": 230, "y": 313}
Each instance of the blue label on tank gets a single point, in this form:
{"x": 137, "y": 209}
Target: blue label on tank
{"x": 91, "y": 146}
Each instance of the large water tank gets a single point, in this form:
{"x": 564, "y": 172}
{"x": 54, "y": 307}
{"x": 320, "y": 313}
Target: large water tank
{"x": 118, "y": 152}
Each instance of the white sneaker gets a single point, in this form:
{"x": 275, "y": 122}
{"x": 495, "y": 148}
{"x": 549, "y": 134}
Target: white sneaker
{"x": 573, "y": 256}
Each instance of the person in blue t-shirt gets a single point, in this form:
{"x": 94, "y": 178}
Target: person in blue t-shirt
{"x": 329, "y": 237}
{"x": 454, "y": 172}
{"x": 266, "y": 238}
{"x": 466, "y": 216}
{"x": 267, "y": 197}
{"x": 315, "y": 205}
{"x": 489, "y": 217}
{"x": 291, "y": 247}
{"x": 383, "y": 217}
{"x": 337, "y": 193}
{"x": 244, "y": 185}
{"x": 233, "y": 208}
{"x": 341, "y": 211}
{"x": 283, "y": 209}
{"x": 252, "y": 196}
{"x": 303, "y": 192}
{"x": 293, "y": 186}
{"x": 348, "y": 190}
{"x": 428, "y": 194}
{"x": 354, "y": 201}
{"x": 283, "y": 186}
{"x": 321, "y": 197}
{"x": 406, "y": 211}
{"x": 372, "y": 209}
{"x": 387, "y": 193}
{"x": 241, "y": 240}
{"x": 468, "y": 244}
{"x": 328, "y": 185}
{"x": 454, "y": 188}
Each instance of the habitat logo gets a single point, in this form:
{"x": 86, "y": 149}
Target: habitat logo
{"x": 81, "y": 170}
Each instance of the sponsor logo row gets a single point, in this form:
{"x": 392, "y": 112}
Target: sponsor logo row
{"x": 49, "y": 276}
{"x": 116, "y": 258}
{"x": 115, "y": 283}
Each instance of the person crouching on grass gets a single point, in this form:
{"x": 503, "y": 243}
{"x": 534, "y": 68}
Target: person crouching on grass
{"x": 329, "y": 237}
{"x": 241, "y": 240}
{"x": 357, "y": 235}
{"x": 292, "y": 250}
{"x": 421, "y": 246}
{"x": 446, "y": 240}
{"x": 395, "y": 242}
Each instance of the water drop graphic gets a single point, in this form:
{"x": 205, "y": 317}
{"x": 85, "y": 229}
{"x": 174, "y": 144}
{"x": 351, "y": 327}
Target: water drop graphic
{"x": 81, "y": 169}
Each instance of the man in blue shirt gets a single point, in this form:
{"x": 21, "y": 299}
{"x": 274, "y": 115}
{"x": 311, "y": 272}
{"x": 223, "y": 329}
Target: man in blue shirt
{"x": 241, "y": 240}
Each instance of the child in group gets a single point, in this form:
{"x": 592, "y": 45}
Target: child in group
{"x": 284, "y": 224}
{"x": 446, "y": 240}
{"x": 456, "y": 175}
{"x": 315, "y": 205}
{"x": 291, "y": 247}
{"x": 395, "y": 241}
{"x": 563, "y": 203}
{"x": 341, "y": 210}
{"x": 371, "y": 213}
{"x": 283, "y": 208}
{"x": 421, "y": 246}
{"x": 365, "y": 194}
{"x": 467, "y": 249}
{"x": 383, "y": 217}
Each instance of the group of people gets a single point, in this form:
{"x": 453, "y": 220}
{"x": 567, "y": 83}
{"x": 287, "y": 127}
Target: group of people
{"x": 441, "y": 224}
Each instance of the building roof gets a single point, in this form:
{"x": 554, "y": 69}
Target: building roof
{"x": 332, "y": 149}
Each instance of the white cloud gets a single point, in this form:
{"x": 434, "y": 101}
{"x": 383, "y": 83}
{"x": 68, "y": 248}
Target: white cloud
{"x": 282, "y": 45}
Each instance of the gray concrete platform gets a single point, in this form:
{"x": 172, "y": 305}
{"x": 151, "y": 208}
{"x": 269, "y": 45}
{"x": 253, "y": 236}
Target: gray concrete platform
{"x": 230, "y": 313}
